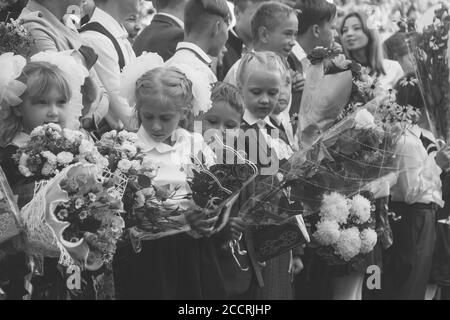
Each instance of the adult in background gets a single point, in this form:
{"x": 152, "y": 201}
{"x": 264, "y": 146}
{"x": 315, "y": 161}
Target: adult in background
{"x": 44, "y": 20}
{"x": 363, "y": 45}
{"x": 165, "y": 31}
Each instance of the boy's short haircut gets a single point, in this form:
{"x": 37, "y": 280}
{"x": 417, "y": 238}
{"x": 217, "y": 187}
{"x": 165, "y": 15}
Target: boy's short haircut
{"x": 314, "y": 12}
{"x": 198, "y": 13}
{"x": 269, "y": 15}
{"x": 243, "y": 4}
{"x": 230, "y": 94}
{"x": 163, "y": 4}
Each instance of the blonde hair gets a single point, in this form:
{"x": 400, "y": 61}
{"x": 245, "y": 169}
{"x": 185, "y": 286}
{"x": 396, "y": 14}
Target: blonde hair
{"x": 40, "y": 78}
{"x": 262, "y": 60}
{"x": 165, "y": 84}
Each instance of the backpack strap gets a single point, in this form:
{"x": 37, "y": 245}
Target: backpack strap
{"x": 97, "y": 27}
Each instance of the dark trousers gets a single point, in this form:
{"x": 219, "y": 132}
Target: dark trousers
{"x": 409, "y": 260}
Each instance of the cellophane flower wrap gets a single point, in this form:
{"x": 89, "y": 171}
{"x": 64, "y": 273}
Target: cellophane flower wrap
{"x": 51, "y": 149}
{"x": 430, "y": 53}
{"x": 217, "y": 187}
{"x": 324, "y": 95}
{"x": 75, "y": 216}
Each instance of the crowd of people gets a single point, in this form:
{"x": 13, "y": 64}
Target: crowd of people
{"x": 255, "y": 58}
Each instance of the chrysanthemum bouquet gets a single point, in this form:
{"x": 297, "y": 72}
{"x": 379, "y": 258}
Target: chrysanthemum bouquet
{"x": 123, "y": 151}
{"x": 51, "y": 149}
{"x": 345, "y": 231}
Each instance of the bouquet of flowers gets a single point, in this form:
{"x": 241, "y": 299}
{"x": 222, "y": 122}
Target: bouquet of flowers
{"x": 90, "y": 215}
{"x": 324, "y": 95}
{"x": 122, "y": 150}
{"x": 160, "y": 209}
{"x": 345, "y": 232}
{"x": 430, "y": 52}
{"x": 51, "y": 149}
{"x": 76, "y": 217}
{"x": 15, "y": 38}
{"x": 351, "y": 155}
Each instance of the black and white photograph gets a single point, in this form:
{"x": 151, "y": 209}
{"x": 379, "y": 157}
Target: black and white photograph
{"x": 226, "y": 152}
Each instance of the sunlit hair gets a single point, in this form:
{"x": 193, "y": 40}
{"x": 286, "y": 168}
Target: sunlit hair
{"x": 269, "y": 15}
{"x": 168, "y": 85}
{"x": 374, "y": 50}
{"x": 40, "y": 78}
{"x": 261, "y": 60}
{"x": 225, "y": 92}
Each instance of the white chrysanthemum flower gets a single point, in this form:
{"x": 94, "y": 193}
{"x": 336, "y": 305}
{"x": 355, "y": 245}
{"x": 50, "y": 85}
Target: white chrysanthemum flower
{"x": 38, "y": 131}
{"x": 86, "y": 147}
{"x": 124, "y": 165}
{"x": 369, "y": 239}
{"x": 364, "y": 119}
{"x": 72, "y": 135}
{"x": 136, "y": 165}
{"x": 48, "y": 169}
{"x": 361, "y": 208}
{"x": 129, "y": 148}
{"x": 111, "y": 135}
{"x": 335, "y": 207}
{"x": 65, "y": 158}
{"x": 327, "y": 232}
{"x": 51, "y": 158}
{"x": 349, "y": 244}
{"x": 23, "y": 165}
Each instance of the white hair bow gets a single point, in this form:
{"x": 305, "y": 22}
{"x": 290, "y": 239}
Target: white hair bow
{"x": 11, "y": 67}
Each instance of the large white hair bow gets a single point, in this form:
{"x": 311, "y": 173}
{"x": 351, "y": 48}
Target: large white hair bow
{"x": 201, "y": 88}
{"x": 75, "y": 73}
{"x": 136, "y": 69}
{"x": 11, "y": 67}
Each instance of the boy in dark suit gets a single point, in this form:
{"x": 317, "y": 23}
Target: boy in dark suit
{"x": 165, "y": 31}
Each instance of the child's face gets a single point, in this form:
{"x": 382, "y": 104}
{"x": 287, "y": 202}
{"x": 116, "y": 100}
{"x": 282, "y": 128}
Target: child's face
{"x": 159, "y": 118}
{"x": 221, "y": 117}
{"x": 285, "y": 96}
{"x": 282, "y": 39}
{"x": 261, "y": 92}
{"x": 35, "y": 112}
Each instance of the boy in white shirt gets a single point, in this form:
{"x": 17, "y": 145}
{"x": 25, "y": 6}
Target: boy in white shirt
{"x": 106, "y": 34}
{"x": 415, "y": 199}
{"x": 206, "y": 32}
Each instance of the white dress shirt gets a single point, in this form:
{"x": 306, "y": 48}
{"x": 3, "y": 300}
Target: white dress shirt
{"x": 107, "y": 66}
{"x": 394, "y": 72}
{"x": 174, "y": 161}
{"x": 190, "y": 54}
{"x": 419, "y": 175}
{"x": 282, "y": 150}
{"x": 301, "y": 56}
